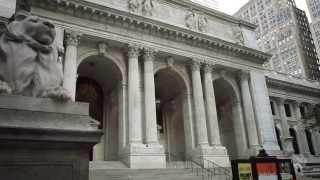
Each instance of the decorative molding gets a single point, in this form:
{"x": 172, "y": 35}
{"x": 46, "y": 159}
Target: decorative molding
{"x": 196, "y": 21}
{"x": 287, "y": 86}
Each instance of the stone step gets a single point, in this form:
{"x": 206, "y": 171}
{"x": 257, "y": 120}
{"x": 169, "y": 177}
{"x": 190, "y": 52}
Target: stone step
{"x": 107, "y": 165}
{"x": 142, "y": 174}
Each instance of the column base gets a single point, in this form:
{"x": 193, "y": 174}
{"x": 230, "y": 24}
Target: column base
{"x": 142, "y": 156}
{"x": 217, "y": 154}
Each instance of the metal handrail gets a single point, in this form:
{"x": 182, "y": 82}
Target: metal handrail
{"x": 216, "y": 169}
{"x": 205, "y": 168}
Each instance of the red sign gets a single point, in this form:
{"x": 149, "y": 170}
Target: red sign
{"x": 267, "y": 169}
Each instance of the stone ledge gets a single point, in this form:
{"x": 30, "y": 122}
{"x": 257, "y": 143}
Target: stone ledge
{"x": 43, "y": 105}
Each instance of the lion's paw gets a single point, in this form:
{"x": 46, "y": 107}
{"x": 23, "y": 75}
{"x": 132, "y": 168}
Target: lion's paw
{"x": 59, "y": 94}
{"x": 5, "y": 88}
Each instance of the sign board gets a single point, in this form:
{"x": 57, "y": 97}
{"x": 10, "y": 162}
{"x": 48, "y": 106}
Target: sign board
{"x": 267, "y": 171}
{"x": 245, "y": 171}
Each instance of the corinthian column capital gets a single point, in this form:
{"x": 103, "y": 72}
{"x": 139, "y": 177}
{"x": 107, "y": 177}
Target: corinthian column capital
{"x": 133, "y": 51}
{"x": 72, "y": 38}
{"x": 244, "y": 75}
{"x": 208, "y": 68}
{"x": 195, "y": 65}
{"x": 149, "y": 54}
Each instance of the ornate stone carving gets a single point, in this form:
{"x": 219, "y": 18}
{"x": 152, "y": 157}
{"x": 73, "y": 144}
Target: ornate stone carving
{"x": 147, "y": 7}
{"x": 133, "y": 51}
{"x": 72, "y": 38}
{"x": 149, "y": 54}
{"x": 133, "y": 5}
{"x": 195, "y": 66}
{"x": 170, "y": 62}
{"x": 208, "y": 68}
{"x": 29, "y": 61}
{"x": 102, "y": 47}
{"x": 238, "y": 36}
{"x": 195, "y": 21}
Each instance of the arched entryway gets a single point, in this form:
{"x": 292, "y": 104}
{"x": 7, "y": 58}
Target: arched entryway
{"x": 230, "y": 119}
{"x": 169, "y": 90}
{"x": 99, "y": 83}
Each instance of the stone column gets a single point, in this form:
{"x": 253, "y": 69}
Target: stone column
{"x": 287, "y": 139}
{"x": 149, "y": 99}
{"x": 134, "y": 106}
{"x": 302, "y": 137}
{"x": 248, "y": 111}
{"x": 315, "y": 140}
{"x": 263, "y": 112}
{"x": 200, "y": 114}
{"x": 212, "y": 117}
{"x": 70, "y": 62}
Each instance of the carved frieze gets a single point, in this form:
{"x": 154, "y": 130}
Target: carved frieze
{"x": 238, "y": 36}
{"x": 146, "y": 7}
{"x": 196, "y": 21}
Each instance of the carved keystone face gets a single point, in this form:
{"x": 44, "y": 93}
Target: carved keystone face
{"x": 33, "y": 28}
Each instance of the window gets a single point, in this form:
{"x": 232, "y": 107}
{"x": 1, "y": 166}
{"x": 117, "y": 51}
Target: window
{"x": 278, "y": 138}
{"x": 310, "y": 143}
{"x": 287, "y": 110}
{"x": 303, "y": 112}
{"x": 293, "y": 134}
{"x": 272, "y": 108}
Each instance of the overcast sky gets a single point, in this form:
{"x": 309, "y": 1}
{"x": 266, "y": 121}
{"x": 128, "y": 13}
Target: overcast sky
{"x": 231, "y": 6}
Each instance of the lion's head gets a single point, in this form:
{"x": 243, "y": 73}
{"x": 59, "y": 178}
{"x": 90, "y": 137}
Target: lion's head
{"x": 32, "y": 28}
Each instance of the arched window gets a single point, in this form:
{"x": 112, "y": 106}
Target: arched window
{"x": 293, "y": 134}
{"x": 278, "y": 138}
{"x": 310, "y": 143}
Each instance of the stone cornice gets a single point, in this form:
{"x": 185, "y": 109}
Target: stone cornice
{"x": 116, "y": 17}
{"x": 287, "y": 86}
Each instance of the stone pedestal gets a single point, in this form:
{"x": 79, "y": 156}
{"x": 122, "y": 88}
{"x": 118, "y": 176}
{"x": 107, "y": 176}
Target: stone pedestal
{"x": 142, "y": 156}
{"x": 216, "y": 154}
{"x": 44, "y": 139}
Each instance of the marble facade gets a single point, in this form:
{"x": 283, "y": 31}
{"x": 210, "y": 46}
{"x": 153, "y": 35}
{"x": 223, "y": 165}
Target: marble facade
{"x": 179, "y": 80}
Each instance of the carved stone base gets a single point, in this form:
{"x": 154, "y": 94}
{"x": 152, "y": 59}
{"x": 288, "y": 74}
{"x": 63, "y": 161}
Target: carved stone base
{"x": 43, "y": 139}
{"x": 216, "y": 154}
{"x": 140, "y": 156}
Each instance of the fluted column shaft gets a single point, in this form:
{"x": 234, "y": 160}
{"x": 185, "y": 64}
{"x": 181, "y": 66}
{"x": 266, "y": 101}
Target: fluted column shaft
{"x": 202, "y": 136}
{"x": 70, "y": 63}
{"x": 150, "y": 100}
{"x": 248, "y": 111}
{"x": 134, "y": 103}
{"x": 212, "y": 117}
{"x": 302, "y": 137}
{"x": 287, "y": 139}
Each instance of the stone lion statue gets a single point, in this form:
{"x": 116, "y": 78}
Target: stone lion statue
{"x": 29, "y": 61}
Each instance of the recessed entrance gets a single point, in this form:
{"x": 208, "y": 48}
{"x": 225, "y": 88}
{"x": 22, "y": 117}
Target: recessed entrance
{"x": 228, "y": 115}
{"x": 98, "y": 84}
{"x": 169, "y": 98}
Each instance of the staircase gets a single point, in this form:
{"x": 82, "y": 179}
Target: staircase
{"x": 176, "y": 170}
{"x": 118, "y": 171}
